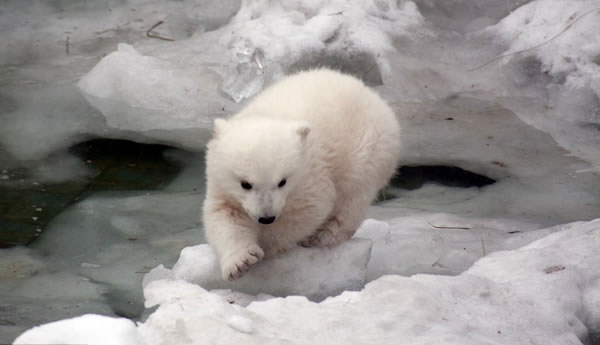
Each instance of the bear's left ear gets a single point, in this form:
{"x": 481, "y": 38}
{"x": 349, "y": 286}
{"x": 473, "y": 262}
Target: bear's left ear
{"x": 303, "y": 129}
{"x": 219, "y": 127}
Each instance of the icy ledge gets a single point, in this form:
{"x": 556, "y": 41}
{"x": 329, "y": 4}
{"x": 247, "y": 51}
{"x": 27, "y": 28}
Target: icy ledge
{"x": 312, "y": 272}
{"x": 547, "y": 292}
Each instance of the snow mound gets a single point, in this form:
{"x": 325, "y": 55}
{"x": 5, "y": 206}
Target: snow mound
{"x": 185, "y": 84}
{"x": 87, "y": 329}
{"x": 562, "y": 34}
{"x": 312, "y": 272}
{"x": 554, "y": 44}
{"x": 545, "y": 292}
{"x": 541, "y": 293}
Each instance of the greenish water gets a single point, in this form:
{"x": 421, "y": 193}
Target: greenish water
{"x": 27, "y": 206}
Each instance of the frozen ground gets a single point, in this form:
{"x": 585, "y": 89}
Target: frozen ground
{"x": 73, "y": 70}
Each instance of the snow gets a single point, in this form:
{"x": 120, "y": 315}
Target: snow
{"x": 438, "y": 243}
{"x": 313, "y": 272}
{"x": 557, "y": 29}
{"x": 558, "y": 38}
{"x": 545, "y": 292}
{"x": 86, "y": 329}
{"x": 178, "y": 85}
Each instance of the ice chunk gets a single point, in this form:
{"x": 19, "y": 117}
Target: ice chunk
{"x": 142, "y": 93}
{"x": 87, "y": 329}
{"x": 251, "y": 73}
{"x": 312, "y": 272}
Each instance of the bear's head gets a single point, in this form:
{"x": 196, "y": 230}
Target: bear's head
{"x": 258, "y": 162}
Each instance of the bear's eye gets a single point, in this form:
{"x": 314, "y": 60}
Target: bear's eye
{"x": 246, "y": 185}
{"x": 281, "y": 183}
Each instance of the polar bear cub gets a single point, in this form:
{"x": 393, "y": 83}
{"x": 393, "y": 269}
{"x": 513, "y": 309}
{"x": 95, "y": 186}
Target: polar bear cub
{"x": 300, "y": 164}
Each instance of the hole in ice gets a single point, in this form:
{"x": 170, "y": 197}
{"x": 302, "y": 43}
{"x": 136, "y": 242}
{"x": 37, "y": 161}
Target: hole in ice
{"x": 414, "y": 177}
{"x": 28, "y": 204}
{"x": 126, "y": 165}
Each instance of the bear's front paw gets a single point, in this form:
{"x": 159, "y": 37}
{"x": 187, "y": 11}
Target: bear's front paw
{"x": 239, "y": 262}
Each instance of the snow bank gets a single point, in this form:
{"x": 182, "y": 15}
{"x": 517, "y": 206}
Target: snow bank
{"x": 187, "y": 83}
{"x": 554, "y": 44}
{"x": 418, "y": 243}
{"x": 545, "y": 292}
{"x": 562, "y": 34}
{"x": 439, "y": 243}
{"x": 312, "y": 272}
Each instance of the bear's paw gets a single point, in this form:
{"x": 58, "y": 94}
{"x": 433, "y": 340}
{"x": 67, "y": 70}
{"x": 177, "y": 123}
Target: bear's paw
{"x": 239, "y": 262}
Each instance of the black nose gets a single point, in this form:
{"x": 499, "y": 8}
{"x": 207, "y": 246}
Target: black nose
{"x": 266, "y": 220}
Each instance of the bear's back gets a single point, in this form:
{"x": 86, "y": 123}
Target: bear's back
{"x": 348, "y": 119}
{"x": 338, "y": 105}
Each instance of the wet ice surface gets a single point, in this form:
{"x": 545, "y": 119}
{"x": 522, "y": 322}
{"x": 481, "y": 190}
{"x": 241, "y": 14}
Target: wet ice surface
{"x": 529, "y": 121}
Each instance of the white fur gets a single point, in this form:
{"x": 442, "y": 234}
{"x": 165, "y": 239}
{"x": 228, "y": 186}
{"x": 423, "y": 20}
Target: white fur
{"x": 334, "y": 141}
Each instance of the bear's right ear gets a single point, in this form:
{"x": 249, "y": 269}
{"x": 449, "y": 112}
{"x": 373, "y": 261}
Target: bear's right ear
{"x": 219, "y": 127}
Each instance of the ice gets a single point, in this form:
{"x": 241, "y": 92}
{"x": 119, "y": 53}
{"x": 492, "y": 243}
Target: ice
{"x": 127, "y": 239}
{"x": 250, "y": 74}
{"x": 314, "y": 273}
{"x": 545, "y": 292}
{"x": 34, "y": 292}
{"x": 19, "y": 263}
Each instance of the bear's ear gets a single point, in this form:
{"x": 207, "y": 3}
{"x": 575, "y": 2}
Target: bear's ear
{"x": 219, "y": 127}
{"x": 303, "y": 129}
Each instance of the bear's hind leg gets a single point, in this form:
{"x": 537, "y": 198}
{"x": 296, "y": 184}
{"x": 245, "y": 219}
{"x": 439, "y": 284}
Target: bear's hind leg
{"x": 342, "y": 225}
